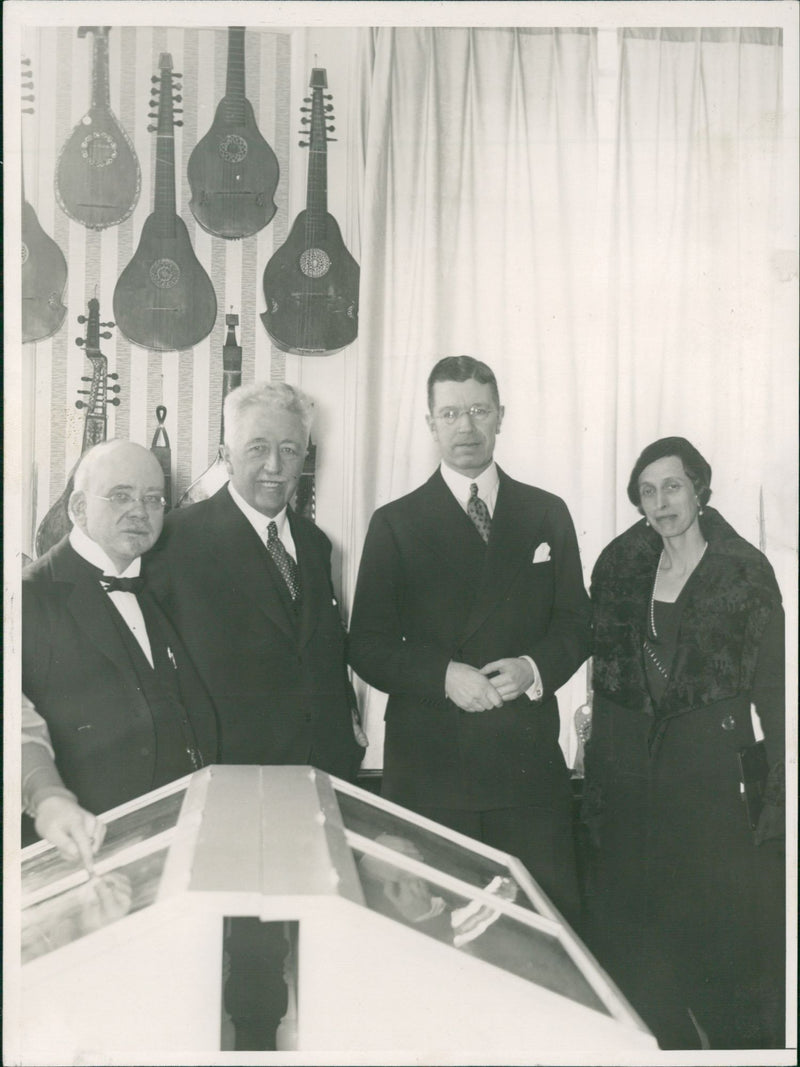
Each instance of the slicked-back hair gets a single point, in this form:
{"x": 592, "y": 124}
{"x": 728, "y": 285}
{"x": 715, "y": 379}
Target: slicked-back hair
{"x": 697, "y": 467}
{"x": 277, "y": 396}
{"x": 461, "y": 369}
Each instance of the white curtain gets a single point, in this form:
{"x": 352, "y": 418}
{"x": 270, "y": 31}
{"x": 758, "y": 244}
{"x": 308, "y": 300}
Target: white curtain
{"x": 478, "y": 218}
{"x": 702, "y": 340}
{"x": 614, "y": 310}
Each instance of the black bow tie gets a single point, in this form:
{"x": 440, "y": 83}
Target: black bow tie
{"x": 122, "y": 585}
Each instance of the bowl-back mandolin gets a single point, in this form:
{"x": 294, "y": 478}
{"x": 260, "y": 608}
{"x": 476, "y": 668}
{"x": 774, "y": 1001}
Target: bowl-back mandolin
{"x": 97, "y": 175}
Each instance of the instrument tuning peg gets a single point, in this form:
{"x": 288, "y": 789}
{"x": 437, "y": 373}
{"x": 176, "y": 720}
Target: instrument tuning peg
{"x": 155, "y": 79}
{"x": 114, "y": 388}
{"x": 176, "y": 74}
{"x": 81, "y": 318}
{"x": 306, "y": 99}
{"x": 115, "y": 401}
{"x": 329, "y": 107}
{"x": 305, "y": 108}
{"x": 80, "y": 404}
{"x": 330, "y": 129}
{"x": 27, "y": 111}
{"x": 86, "y": 379}
{"x": 305, "y": 121}
{"x": 83, "y": 392}
{"x": 152, "y": 114}
{"x": 179, "y": 123}
{"x": 327, "y": 96}
{"x": 25, "y": 62}
{"x": 108, "y": 324}
{"x": 152, "y": 129}
{"x": 113, "y": 375}
{"x": 303, "y": 144}
{"x": 29, "y": 98}
{"x": 79, "y": 342}
{"x": 331, "y": 138}
{"x": 178, "y": 99}
{"x": 177, "y": 111}
{"x": 106, "y": 334}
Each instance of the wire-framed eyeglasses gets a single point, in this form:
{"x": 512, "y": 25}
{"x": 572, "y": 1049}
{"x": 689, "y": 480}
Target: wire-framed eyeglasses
{"x": 477, "y": 412}
{"x": 120, "y": 499}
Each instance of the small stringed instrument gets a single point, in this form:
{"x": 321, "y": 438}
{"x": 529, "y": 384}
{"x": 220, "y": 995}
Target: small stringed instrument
{"x": 97, "y": 175}
{"x": 57, "y": 523}
{"x": 233, "y": 172}
{"x": 216, "y": 475}
{"x": 164, "y": 300}
{"x": 44, "y": 269}
{"x": 311, "y": 282}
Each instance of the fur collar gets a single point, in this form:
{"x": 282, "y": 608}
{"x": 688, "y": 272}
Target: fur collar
{"x": 727, "y": 603}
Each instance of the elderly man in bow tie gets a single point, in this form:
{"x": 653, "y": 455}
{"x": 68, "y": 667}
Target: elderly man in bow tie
{"x": 470, "y": 611}
{"x": 119, "y": 709}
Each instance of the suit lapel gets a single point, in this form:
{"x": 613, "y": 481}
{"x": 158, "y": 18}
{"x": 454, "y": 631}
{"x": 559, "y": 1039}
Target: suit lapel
{"x": 241, "y": 552}
{"x": 314, "y": 585}
{"x": 516, "y": 531}
{"x": 446, "y": 531}
{"x": 89, "y": 606}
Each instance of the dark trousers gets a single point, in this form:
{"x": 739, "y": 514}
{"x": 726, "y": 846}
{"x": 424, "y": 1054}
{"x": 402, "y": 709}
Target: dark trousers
{"x": 255, "y": 993}
{"x": 542, "y": 839}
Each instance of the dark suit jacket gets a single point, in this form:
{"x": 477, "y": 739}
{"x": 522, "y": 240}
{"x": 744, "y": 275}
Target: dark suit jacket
{"x": 77, "y": 671}
{"x": 429, "y": 591}
{"x": 277, "y": 674}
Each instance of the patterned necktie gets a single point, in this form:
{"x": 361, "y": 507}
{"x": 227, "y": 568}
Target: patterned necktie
{"x": 283, "y": 561}
{"x": 112, "y": 584}
{"x": 479, "y": 513}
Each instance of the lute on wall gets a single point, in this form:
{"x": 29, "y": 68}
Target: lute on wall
{"x": 44, "y": 268}
{"x": 57, "y": 522}
{"x": 233, "y": 172}
{"x": 164, "y": 300}
{"x": 311, "y": 282}
{"x": 97, "y": 175}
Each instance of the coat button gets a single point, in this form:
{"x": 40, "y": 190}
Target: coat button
{"x": 728, "y": 723}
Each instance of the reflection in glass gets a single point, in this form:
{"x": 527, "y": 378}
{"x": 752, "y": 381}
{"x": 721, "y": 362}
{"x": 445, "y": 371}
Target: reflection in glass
{"x": 369, "y": 820}
{"x": 102, "y": 900}
{"x": 125, "y": 830}
{"x": 470, "y": 925}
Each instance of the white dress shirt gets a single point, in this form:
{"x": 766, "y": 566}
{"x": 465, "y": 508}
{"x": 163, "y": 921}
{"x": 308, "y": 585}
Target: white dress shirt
{"x": 260, "y": 523}
{"x": 125, "y": 603}
{"x": 488, "y": 483}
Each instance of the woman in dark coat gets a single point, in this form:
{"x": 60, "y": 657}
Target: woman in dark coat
{"x": 685, "y": 898}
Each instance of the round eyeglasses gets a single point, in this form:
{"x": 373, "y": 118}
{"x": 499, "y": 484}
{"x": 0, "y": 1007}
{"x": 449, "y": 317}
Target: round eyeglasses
{"x": 477, "y": 412}
{"x": 120, "y": 500}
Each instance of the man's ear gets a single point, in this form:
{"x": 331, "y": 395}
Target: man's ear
{"x": 500, "y": 413}
{"x": 431, "y": 421}
{"x": 226, "y": 455}
{"x": 76, "y": 508}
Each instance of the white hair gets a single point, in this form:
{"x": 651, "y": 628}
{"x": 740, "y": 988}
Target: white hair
{"x": 276, "y": 395}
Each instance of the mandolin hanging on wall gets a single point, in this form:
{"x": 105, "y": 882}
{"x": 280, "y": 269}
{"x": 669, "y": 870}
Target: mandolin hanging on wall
{"x": 311, "y": 282}
{"x": 216, "y": 475}
{"x": 233, "y": 172}
{"x": 164, "y": 300}
{"x": 44, "y": 268}
{"x": 57, "y": 523}
{"x": 97, "y": 175}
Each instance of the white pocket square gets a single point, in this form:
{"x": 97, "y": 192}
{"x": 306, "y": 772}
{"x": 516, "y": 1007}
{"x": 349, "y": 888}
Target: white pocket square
{"x": 542, "y": 553}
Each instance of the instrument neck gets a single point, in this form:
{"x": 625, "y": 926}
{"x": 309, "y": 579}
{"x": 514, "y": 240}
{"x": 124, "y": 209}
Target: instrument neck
{"x": 234, "y": 84}
{"x": 94, "y": 427}
{"x": 100, "y": 90}
{"x": 317, "y": 187}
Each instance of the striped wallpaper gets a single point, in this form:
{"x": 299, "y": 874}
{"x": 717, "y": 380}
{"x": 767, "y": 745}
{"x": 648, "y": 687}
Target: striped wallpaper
{"x": 188, "y": 383}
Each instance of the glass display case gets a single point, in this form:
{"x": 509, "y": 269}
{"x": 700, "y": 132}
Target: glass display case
{"x": 404, "y": 937}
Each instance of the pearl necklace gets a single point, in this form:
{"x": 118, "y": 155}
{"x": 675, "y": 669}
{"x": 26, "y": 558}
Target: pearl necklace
{"x": 653, "y": 630}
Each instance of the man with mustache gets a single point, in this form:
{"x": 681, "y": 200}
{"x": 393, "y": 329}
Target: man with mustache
{"x": 119, "y": 709}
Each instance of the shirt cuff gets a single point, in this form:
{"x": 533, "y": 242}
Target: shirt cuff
{"x": 536, "y": 691}
{"x": 40, "y": 778}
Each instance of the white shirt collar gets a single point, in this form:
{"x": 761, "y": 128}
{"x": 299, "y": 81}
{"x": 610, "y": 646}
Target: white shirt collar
{"x": 92, "y": 552}
{"x": 257, "y": 520}
{"x": 488, "y": 482}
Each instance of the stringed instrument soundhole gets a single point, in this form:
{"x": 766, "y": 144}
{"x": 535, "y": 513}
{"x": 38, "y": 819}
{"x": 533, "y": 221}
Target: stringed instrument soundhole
{"x": 315, "y": 263}
{"x": 233, "y": 148}
{"x": 99, "y": 149}
{"x": 25, "y": 253}
{"x": 165, "y": 273}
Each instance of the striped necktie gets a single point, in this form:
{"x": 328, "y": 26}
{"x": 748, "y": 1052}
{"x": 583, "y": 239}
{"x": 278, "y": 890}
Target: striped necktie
{"x": 283, "y": 561}
{"x": 479, "y": 513}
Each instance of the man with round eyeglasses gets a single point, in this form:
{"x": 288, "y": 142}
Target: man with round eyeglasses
{"x": 112, "y": 701}
{"x": 470, "y": 611}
